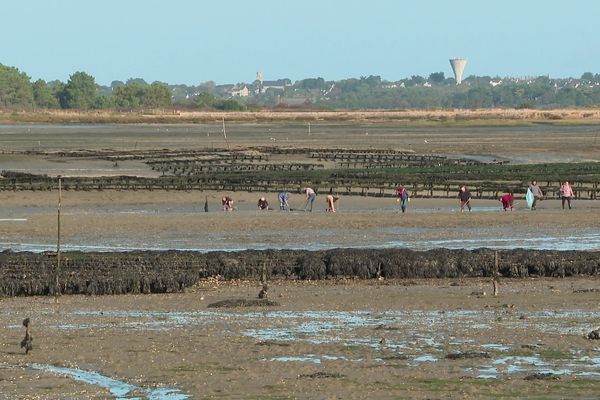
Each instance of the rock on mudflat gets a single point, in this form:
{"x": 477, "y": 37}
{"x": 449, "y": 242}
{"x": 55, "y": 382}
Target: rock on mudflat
{"x": 543, "y": 376}
{"x": 231, "y": 303}
{"x": 467, "y": 354}
{"x": 594, "y": 335}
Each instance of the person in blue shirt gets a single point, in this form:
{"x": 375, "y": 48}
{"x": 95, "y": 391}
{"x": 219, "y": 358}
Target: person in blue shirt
{"x": 283, "y": 201}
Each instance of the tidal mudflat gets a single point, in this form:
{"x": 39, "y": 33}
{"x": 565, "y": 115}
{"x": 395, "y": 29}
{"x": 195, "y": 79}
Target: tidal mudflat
{"x": 351, "y": 338}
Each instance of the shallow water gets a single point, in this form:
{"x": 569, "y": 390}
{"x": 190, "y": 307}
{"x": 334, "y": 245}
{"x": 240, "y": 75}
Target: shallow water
{"x": 324, "y": 240}
{"x": 411, "y": 337}
{"x": 120, "y": 390}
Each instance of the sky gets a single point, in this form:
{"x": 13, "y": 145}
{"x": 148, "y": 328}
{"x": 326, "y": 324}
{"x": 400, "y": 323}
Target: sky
{"x": 228, "y": 41}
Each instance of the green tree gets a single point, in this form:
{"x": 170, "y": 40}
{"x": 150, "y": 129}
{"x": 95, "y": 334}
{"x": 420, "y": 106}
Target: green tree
{"x": 157, "y": 95}
{"x": 43, "y": 95}
{"x": 311, "y": 83}
{"x": 205, "y": 100}
{"x": 79, "y": 92}
{"x": 116, "y": 84}
{"x": 230, "y": 105}
{"x": 139, "y": 81}
{"x": 415, "y": 80}
{"x": 128, "y": 96}
{"x": 15, "y": 88}
{"x": 437, "y": 77}
{"x": 134, "y": 95}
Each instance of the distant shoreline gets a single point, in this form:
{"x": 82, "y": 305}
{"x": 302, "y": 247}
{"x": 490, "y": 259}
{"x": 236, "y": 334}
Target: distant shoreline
{"x": 442, "y": 118}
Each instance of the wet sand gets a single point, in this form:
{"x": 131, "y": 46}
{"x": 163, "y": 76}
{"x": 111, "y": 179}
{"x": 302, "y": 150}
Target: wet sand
{"x": 119, "y": 220}
{"x": 322, "y": 342}
{"x": 535, "y": 143}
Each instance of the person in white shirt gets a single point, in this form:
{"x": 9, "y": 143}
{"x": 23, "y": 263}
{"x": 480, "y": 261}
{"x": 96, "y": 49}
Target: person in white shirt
{"x": 310, "y": 198}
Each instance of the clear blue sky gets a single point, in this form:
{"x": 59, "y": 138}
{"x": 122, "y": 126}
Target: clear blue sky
{"x": 186, "y": 41}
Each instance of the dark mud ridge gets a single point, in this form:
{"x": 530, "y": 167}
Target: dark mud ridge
{"x": 28, "y": 274}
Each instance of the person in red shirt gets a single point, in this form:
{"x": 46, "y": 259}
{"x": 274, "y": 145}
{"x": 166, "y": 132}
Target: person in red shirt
{"x": 507, "y": 201}
{"x": 227, "y": 203}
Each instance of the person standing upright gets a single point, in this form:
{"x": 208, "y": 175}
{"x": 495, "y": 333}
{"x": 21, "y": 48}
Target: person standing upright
{"x": 403, "y": 197}
{"x": 566, "y": 194}
{"x": 537, "y": 193}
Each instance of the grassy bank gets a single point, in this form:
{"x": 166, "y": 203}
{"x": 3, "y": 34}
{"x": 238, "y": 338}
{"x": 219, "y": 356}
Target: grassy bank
{"x": 422, "y": 118}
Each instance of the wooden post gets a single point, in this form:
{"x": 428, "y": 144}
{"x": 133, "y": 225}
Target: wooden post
{"x": 58, "y": 238}
{"x": 225, "y": 134}
{"x": 495, "y": 278}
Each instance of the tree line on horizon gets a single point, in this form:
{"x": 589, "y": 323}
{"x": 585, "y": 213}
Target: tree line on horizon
{"x": 81, "y": 92}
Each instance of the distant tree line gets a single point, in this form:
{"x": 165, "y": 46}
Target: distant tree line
{"x": 81, "y": 91}
{"x": 475, "y": 92}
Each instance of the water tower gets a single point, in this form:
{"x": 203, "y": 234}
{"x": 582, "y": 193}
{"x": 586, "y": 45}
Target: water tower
{"x": 458, "y": 66}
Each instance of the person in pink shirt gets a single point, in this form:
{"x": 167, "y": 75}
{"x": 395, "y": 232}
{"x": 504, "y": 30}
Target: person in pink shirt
{"x": 566, "y": 194}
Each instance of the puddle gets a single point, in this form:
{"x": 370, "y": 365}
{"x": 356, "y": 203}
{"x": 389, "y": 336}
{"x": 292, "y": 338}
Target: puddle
{"x": 314, "y": 359}
{"x": 425, "y": 358}
{"x": 487, "y": 376}
{"x": 498, "y": 347}
{"x": 118, "y": 389}
{"x": 308, "y": 359}
{"x": 420, "y": 336}
{"x": 518, "y": 360}
{"x": 325, "y": 239}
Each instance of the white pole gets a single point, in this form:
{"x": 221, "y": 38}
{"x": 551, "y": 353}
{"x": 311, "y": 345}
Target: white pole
{"x": 58, "y": 238}
{"x": 225, "y": 134}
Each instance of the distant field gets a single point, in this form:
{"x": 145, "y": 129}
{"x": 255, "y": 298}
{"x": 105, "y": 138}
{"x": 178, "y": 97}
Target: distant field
{"x": 408, "y": 117}
{"x": 366, "y": 158}
{"x": 529, "y": 143}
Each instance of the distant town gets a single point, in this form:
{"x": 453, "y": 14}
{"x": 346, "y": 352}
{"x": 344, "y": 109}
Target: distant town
{"x": 433, "y": 91}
